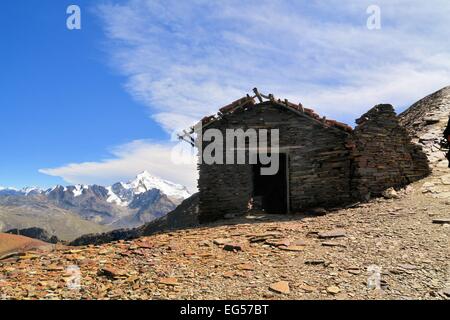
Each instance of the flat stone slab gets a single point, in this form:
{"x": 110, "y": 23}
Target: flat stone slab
{"x": 333, "y": 290}
{"x": 280, "y": 287}
{"x": 446, "y": 179}
{"x": 337, "y": 233}
{"x": 221, "y": 241}
{"x": 293, "y": 248}
{"x": 441, "y": 221}
{"x": 446, "y": 291}
{"x": 315, "y": 262}
{"x": 169, "y": 281}
{"x": 333, "y": 244}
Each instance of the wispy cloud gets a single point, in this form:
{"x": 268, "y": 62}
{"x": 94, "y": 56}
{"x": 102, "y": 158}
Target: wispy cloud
{"x": 185, "y": 59}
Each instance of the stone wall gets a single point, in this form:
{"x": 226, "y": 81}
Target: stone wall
{"x": 328, "y": 163}
{"x": 319, "y": 163}
{"x": 384, "y": 155}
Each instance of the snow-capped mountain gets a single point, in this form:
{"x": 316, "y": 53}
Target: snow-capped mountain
{"x": 24, "y": 191}
{"x": 120, "y": 193}
{"x": 123, "y": 194}
{"x": 14, "y": 191}
{"x": 121, "y": 205}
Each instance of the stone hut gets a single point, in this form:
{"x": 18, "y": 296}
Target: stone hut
{"x": 322, "y": 163}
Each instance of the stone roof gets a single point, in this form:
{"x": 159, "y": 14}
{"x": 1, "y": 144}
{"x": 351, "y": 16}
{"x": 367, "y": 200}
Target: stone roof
{"x": 261, "y": 98}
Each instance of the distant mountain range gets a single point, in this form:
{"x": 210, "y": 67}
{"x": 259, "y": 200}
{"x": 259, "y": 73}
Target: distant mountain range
{"x": 71, "y": 211}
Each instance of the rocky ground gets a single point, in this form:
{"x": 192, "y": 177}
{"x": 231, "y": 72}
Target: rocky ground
{"x": 397, "y": 247}
{"x": 259, "y": 257}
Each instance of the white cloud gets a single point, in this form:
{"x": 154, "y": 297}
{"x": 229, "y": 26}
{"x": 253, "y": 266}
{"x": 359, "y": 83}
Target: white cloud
{"x": 186, "y": 59}
{"x": 128, "y": 160}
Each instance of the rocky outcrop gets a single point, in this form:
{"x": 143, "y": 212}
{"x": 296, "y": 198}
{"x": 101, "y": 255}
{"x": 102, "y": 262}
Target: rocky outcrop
{"x": 426, "y": 120}
{"x": 184, "y": 216}
{"x": 35, "y": 233}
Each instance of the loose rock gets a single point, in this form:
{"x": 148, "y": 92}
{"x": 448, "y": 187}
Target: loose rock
{"x": 280, "y": 287}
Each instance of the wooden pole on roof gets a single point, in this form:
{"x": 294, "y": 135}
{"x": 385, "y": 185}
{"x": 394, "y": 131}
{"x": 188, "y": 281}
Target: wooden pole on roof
{"x": 258, "y": 95}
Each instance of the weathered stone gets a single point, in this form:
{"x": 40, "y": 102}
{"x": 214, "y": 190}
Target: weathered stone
{"x": 278, "y": 242}
{"x": 246, "y": 267}
{"x": 446, "y": 291}
{"x": 204, "y": 243}
{"x": 390, "y": 194}
{"x": 333, "y": 244}
{"x": 54, "y": 268}
{"x": 221, "y": 241}
{"x": 315, "y": 262}
{"x": 229, "y": 274}
{"x": 333, "y": 290}
{"x": 292, "y": 248}
{"x": 307, "y": 288}
{"x": 354, "y": 272}
{"x": 446, "y": 179}
{"x": 145, "y": 245}
{"x": 169, "y": 281}
{"x": 442, "y": 221}
{"x": 264, "y": 237}
{"x": 336, "y": 233}
{"x": 280, "y": 287}
{"x": 232, "y": 247}
{"x": 427, "y": 137}
{"x": 431, "y": 120}
{"x": 112, "y": 273}
{"x": 406, "y": 266}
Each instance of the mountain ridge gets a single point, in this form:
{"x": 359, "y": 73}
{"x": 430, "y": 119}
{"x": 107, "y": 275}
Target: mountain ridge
{"x": 121, "y": 205}
{"x": 143, "y": 182}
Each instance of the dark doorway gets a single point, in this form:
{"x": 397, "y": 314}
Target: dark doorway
{"x": 271, "y": 192}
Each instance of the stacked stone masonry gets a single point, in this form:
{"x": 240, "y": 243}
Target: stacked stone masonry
{"x": 383, "y": 154}
{"x": 329, "y": 164}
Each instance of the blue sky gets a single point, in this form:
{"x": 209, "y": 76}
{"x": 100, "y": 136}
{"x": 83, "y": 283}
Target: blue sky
{"x": 60, "y": 102}
{"x": 100, "y": 104}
